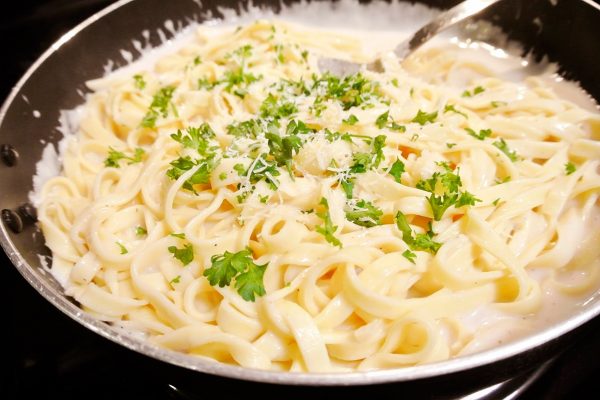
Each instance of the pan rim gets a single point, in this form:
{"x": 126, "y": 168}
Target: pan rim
{"x": 60, "y": 301}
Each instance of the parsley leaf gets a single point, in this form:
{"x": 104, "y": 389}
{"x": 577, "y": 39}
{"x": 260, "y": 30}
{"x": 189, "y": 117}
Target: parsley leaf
{"x": 204, "y": 83}
{"x": 423, "y": 117}
{"x": 159, "y": 106}
{"x": 248, "y": 275}
{"x": 240, "y": 79}
{"x": 570, "y": 168}
{"x": 466, "y": 199}
{"x": 175, "y": 280}
{"x": 196, "y": 138}
{"x": 123, "y": 248}
{"x": 351, "y": 120}
{"x": 140, "y": 83}
{"x": 250, "y": 283}
{"x": 277, "y": 107}
{"x": 451, "y": 108}
{"x": 476, "y": 91}
{"x": 282, "y": 149}
{"x": 261, "y": 170}
{"x": 364, "y": 213}
{"x": 327, "y": 229}
{"x": 419, "y": 242}
{"x": 444, "y": 189}
{"x": 185, "y": 255}
{"x": 348, "y": 186}
{"x": 351, "y": 90}
{"x": 253, "y": 128}
{"x": 397, "y": 170}
{"x": 409, "y": 255}
{"x": 115, "y": 156}
{"x": 503, "y": 147}
{"x": 483, "y": 133}
{"x": 200, "y": 176}
{"x": 381, "y": 120}
{"x": 378, "y": 145}
{"x": 140, "y": 231}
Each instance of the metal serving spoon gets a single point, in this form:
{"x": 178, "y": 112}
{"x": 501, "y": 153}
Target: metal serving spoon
{"x": 444, "y": 20}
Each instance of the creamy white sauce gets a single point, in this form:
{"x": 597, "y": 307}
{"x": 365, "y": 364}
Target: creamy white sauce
{"x": 379, "y": 23}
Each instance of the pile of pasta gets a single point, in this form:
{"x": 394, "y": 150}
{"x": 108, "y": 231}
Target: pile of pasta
{"x": 234, "y": 202}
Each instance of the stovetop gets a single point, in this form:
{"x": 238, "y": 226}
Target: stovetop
{"x": 45, "y": 353}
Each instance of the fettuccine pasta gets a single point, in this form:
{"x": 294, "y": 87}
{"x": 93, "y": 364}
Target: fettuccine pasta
{"x": 235, "y": 203}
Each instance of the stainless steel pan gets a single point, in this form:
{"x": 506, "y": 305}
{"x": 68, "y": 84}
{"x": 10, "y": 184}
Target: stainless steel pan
{"x": 566, "y": 31}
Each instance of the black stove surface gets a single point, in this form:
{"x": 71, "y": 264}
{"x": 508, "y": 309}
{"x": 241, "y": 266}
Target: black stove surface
{"x": 47, "y": 355}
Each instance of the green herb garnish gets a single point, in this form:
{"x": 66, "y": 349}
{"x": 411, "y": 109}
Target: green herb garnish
{"x": 327, "y": 229}
{"x": 115, "y": 156}
{"x": 503, "y": 146}
{"x": 185, "y": 254}
{"x": 483, "y": 133}
{"x": 248, "y": 275}
{"x": 364, "y": 213}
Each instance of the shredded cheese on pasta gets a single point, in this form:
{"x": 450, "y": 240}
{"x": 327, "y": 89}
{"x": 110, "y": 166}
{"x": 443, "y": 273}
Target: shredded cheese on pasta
{"x": 236, "y": 203}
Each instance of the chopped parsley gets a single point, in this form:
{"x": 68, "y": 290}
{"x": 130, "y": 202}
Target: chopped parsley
{"x": 115, "y": 156}
{"x": 504, "y": 180}
{"x": 364, "y": 213}
{"x": 383, "y": 121}
{"x": 496, "y": 104}
{"x": 253, "y": 128}
{"x": 570, "y": 168}
{"x": 279, "y": 53}
{"x": 362, "y": 162}
{"x": 483, "y": 133}
{"x": 475, "y": 92}
{"x": 444, "y": 188}
{"x": 277, "y": 107}
{"x": 139, "y": 82}
{"x": 140, "y": 231}
{"x": 351, "y": 91}
{"x": 347, "y": 185}
{"x": 283, "y": 148}
{"x": 261, "y": 170}
{"x": 196, "y": 138}
{"x": 409, "y": 255}
{"x": 418, "y": 242}
{"x": 451, "y": 108}
{"x": 351, "y": 120}
{"x": 239, "y": 266}
{"x": 175, "y": 280}
{"x": 159, "y": 107}
{"x": 123, "y": 248}
{"x": 200, "y": 176}
{"x": 503, "y": 147}
{"x": 204, "y": 83}
{"x": 397, "y": 170}
{"x": 423, "y": 117}
{"x": 177, "y": 235}
{"x": 450, "y": 145}
{"x": 327, "y": 229}
{"x": 240, "y": 79}
{"x": 185, "y": 255}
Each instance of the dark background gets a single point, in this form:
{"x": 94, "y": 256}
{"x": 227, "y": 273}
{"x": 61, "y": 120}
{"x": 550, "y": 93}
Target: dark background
{"x": 47, "y": 355}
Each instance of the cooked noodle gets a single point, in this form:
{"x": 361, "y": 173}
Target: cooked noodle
{"x": 496, "y": 179}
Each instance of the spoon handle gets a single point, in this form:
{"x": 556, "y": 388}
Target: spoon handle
{"x": 444, "y": 20}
